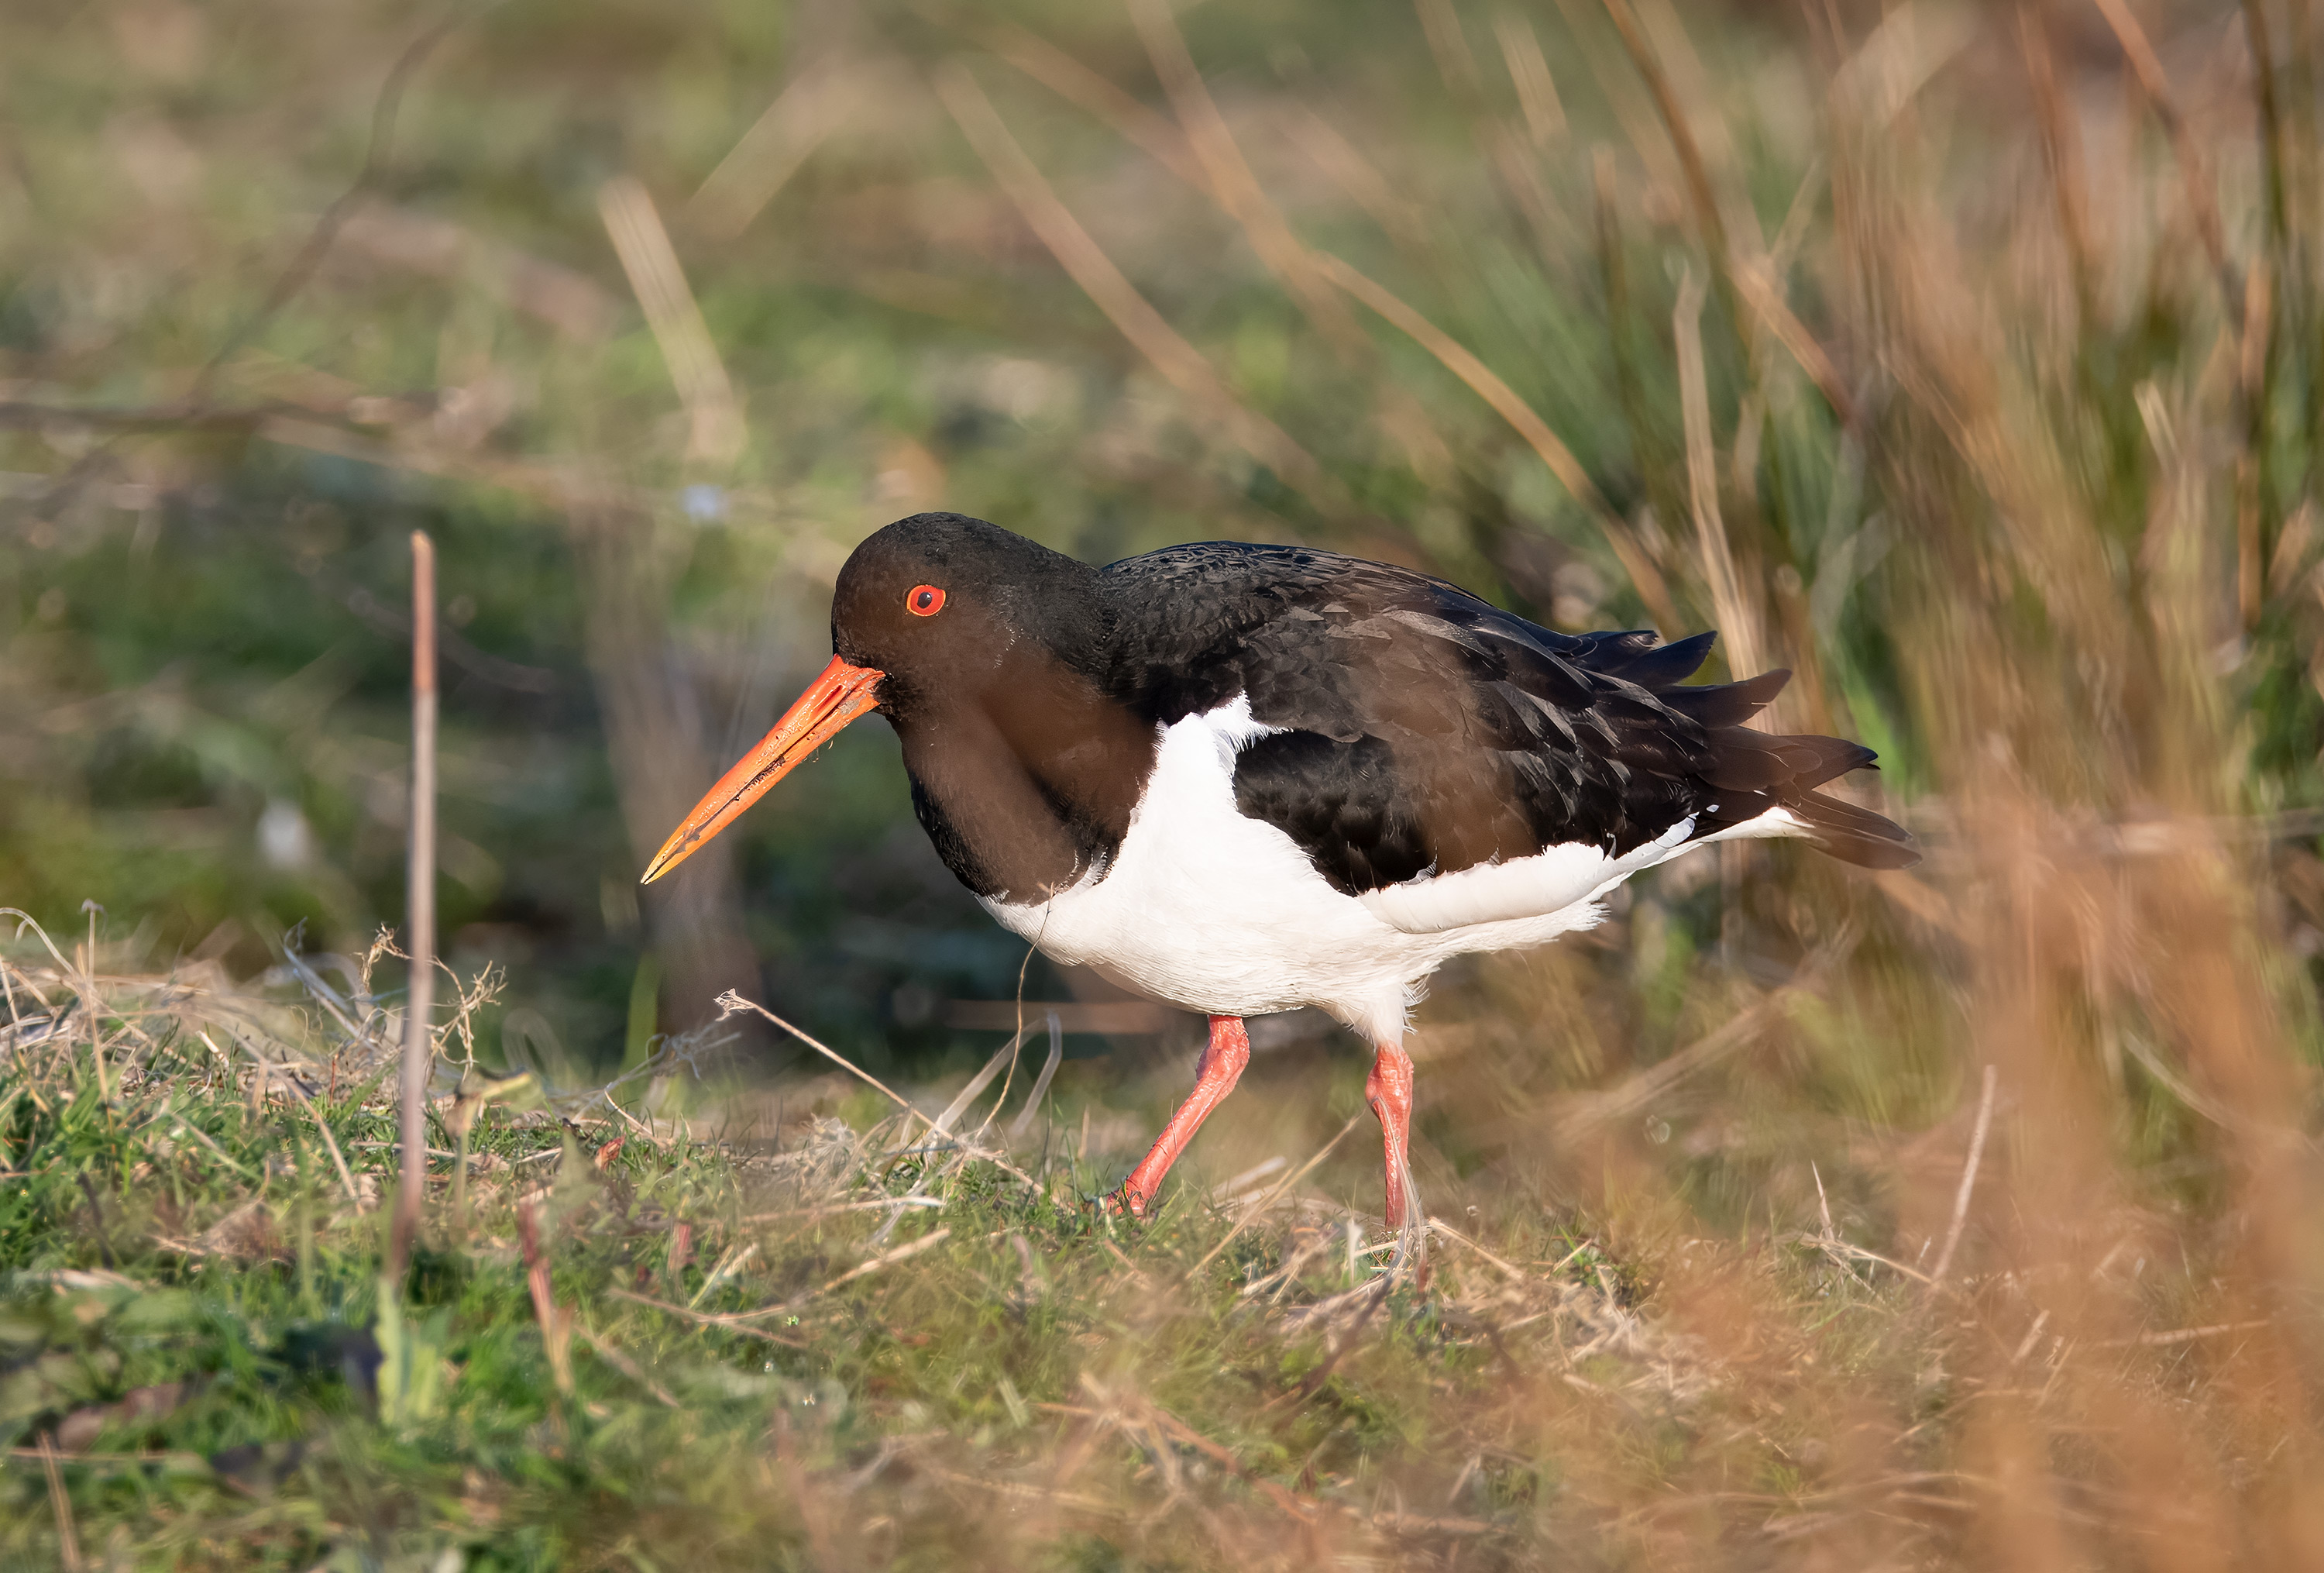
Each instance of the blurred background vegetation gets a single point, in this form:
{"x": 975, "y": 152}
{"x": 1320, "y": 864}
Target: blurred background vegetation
{"x": 650, "y": 312}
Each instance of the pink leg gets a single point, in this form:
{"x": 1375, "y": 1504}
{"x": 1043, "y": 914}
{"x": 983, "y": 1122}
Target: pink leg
{"x": 1222, "y": 1062}
{"x": 1388, "y": 1089}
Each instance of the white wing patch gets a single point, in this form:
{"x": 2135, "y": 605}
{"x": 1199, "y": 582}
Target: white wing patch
{"x": 1550, "y": 881}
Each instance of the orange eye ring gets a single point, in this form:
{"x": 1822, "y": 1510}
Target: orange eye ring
{"x": 925, "y": 601}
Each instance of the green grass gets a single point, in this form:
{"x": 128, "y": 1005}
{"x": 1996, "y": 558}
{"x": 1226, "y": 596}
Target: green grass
{"x": 191, "y": 1310}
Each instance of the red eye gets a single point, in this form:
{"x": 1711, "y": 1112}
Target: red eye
{"x": 925, "y": 601}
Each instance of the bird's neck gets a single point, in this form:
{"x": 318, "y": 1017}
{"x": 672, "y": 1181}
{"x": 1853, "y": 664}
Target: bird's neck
{"x": 1027, "y": 787}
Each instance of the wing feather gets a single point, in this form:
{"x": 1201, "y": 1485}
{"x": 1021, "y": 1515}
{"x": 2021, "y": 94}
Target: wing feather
{"x": 1418, "y": 732}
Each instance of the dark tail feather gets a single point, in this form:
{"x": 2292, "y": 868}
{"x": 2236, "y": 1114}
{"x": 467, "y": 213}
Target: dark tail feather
{"x": 1823, "y": 759}
{"x": 1745, "y": 761}
{"x": 1854, "y": 835}
{"x": 1726, "y": 704}
{"x": 1662, "y": 665}
{"x": 1747, "y": 772}
{"x": 1753, "y": 772}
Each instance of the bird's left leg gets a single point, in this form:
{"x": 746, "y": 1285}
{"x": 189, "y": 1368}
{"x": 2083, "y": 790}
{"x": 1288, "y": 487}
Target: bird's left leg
{"x": 1388, "y": 1089}
{"x": 1228, "y": 1051}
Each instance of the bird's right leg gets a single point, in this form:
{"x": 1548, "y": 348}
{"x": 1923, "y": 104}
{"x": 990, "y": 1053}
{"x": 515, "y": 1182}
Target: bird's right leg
{"x": 1388, "y": 1089}
{"x": 1224, "y": 1057}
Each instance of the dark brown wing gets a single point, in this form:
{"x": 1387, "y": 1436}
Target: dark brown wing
{"x": 1420, "y": 730}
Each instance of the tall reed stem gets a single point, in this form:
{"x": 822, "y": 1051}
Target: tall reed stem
{"x": 419, "y": 906}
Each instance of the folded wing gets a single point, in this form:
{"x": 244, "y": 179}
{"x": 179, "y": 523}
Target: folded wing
{"x": 1416, "y": 733}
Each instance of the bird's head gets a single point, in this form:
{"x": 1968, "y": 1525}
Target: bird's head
{"x": 935, "y": 608}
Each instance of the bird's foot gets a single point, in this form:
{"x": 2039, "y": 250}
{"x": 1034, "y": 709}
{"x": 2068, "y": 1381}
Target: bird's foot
{"x": 1411, "y": 1257}
{"x": 1125, "y": 1201}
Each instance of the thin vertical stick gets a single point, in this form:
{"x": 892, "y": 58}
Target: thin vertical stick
{"x": 68, "y": 1537}
{"x": 420, "y": 905}
{"x": 88, "y": 1003}
{"x": 1968, "y": 1181}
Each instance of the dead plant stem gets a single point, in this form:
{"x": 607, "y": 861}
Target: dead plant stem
{"x": 420, "y": 908}
{"x": 1968, "y": 1179}
{"x": 61, "y": 1502}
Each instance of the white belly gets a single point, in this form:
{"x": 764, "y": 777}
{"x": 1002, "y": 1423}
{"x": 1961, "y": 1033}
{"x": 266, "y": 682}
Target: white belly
{"x": 1209, "y": 910}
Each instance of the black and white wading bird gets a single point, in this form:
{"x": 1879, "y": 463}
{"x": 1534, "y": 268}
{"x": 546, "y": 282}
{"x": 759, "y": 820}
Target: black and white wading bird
{"x": 1241, "y": 779}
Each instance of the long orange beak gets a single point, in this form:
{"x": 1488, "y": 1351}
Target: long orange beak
{"x": 833, "y": 699}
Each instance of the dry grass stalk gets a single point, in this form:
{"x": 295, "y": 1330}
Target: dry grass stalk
{"x": 2061, "y": 147}
{"x": 815, "y": 104}
{"x": 87, "y": 990}
{"x": 1399, "y": 216}
{"x": 2194, "y": 169}
{"x": 1220, "y": 171}
{"x": 731, "y": 1002}
{"x": 1180, "y": 363}
{"x": 1737, "y": 618}
{"x": 557, "y": 1321}
{"x": 1635, "y": 1093}
{"x": 650, "y": 262}
{"x": 1230, "y": 179}
{"x": 1463, "y": 363}
{"x": 742, "y": 1321}
{"x": 1033, "y": 1099}
{"x": 1529, "y": 74}
{"x": 1076, "y": 84}
{"x": 612, "y": 1355}
{"x": 266, "y": 1071}
{"x": 420, "y": 914}
{"x": 1747, "y": 277}
{"x": 60, "y": 1503}
{"x": 1968, "y": 1179}
{"x": 1252, "y": 1213}
{"x": 726, "y": 1321}
{"x": 1700, "y": 189}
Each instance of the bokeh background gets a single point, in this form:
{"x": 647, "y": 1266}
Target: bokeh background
{"x": 649, "y": 313}
{"x": 1962, "y": 358}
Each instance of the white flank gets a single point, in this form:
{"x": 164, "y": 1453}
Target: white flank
{"x": 1497, "y": 893}
{"x": 1214, "y": 912}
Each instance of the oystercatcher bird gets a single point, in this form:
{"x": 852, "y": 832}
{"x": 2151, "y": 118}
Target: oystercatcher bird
{"x": 1241, "y": 779}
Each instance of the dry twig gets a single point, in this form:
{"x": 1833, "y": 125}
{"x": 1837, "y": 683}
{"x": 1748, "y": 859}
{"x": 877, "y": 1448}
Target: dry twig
{"x": 1968, "y": 1179}
{"x": 1258, "y": 1208}
{"x": 612, "y": 1355}
{"x": 420, "y": 910}
{"x": 60, "y": 1502}
{"x": 732, "y": 1001}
